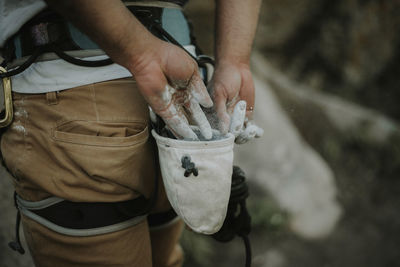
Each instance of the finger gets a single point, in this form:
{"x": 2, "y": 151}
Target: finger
{"x": 238, "y": 117}
{"x": 250, "y": 131}
{"x": 200, "y": 118}
{"x": 223, "y": 117}
{"x": 153, "y": 116}
{"x": 177, "y": 123}
{"x": 231, "y": 104}
{"x": 245, "y": 136}
{"x": 199, "y": 91}
{"x": 258, "y": 130}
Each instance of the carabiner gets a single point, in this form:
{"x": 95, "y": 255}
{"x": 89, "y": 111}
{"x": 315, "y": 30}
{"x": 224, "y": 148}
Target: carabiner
{"x": 8, "y": 103}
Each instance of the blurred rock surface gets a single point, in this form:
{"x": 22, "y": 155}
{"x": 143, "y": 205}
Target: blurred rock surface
{"x": 286, "y": 167}
{"x": 350, "y": 48}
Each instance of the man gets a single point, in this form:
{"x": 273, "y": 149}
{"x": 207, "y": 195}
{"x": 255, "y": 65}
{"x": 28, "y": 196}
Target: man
{"x": 80, "y": 135}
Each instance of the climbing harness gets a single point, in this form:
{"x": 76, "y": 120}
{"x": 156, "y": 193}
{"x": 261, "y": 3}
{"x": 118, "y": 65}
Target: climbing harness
{"x": 17, "y": 245}
{"x": 53, "y": 212}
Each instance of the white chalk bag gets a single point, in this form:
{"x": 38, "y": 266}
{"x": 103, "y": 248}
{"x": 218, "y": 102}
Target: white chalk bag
{"x": 197, "y": 179}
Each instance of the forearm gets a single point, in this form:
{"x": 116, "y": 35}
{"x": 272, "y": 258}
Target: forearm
{"x": 236, "y": 22}
{"x": 110, "y": 24}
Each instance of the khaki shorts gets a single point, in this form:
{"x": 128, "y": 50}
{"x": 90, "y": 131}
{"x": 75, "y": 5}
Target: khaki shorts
{"x": 89, "y": 144}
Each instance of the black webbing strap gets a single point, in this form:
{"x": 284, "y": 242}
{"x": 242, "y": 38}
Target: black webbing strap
{"x": 162, "y": 218}
{"x": 86, "y": 215}
{"x": 16, "y": 245}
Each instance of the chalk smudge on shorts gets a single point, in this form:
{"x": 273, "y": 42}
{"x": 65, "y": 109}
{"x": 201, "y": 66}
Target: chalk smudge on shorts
{"x": 21, "y": 113}
{"x": 19, "y": 128}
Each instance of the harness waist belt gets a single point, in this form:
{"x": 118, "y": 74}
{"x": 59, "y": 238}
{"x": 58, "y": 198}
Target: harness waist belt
{"x": 83, "y": 218}
{"x": 50, "y": 28}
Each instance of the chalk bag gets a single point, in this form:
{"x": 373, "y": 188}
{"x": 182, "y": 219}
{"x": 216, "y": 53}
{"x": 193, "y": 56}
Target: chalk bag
{"x": 197, "y": 178}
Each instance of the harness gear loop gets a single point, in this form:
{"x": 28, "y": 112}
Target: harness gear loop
{"x": 8, "y": 106}
{"x": 16, "y": 245}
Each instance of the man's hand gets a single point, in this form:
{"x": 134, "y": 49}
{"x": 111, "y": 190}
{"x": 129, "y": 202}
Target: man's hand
{"x": 169, "y": 80}
{"x": 236, "y": 22}
{"x": 232, "y": 89}
{"x": 231, "y": 83}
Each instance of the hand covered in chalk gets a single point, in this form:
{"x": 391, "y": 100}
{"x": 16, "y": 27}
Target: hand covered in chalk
{"x": 232, "y": 89}
{"x": 242, "y": 128}
{"x": 230, "y": 83}
{"x": 170, "y": 82}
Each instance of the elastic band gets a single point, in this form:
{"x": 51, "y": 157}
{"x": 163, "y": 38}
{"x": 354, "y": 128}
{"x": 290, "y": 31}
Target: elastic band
{"x": 34, "y": 211}
{"x": 38, "y": 205}
{"x": 83, "y": 232}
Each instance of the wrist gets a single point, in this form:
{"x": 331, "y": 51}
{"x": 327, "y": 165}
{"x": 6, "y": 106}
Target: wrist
{"x": 232, "y": 62}
{"x": 233, "y": 58}
{"x": 139, "y": 51}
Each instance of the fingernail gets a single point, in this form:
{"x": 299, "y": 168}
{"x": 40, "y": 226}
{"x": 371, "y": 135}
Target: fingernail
{"x": 207, "y": 133}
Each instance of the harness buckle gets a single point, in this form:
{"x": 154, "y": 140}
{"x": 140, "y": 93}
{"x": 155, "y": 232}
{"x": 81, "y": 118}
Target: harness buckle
{"x": 8, "y": 103}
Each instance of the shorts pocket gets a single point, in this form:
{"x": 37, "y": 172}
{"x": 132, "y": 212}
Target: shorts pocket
{"x": 94, "y": 133}
{"x": 110, "y": 161}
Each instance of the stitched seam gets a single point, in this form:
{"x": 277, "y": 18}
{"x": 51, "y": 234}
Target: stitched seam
{"x": 101, "y": 144}
{"x": 123, "y": 120}
{"x": 92, "y": 89}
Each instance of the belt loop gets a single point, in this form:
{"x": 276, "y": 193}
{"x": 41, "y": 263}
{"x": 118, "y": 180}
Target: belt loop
{"x": 51, "y": 98}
